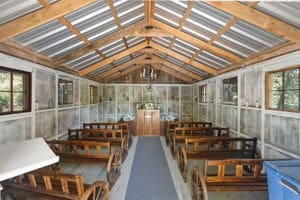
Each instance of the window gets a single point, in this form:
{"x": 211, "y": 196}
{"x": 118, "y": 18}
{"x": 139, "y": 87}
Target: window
{"x": 202, "y": 93}
{"x": 283, "y": 90}
{"x": 230, "y": 90}
{"x": 65, "y": 92}
{"x": 93, "y": 94}
{"x": 15, "y": 91}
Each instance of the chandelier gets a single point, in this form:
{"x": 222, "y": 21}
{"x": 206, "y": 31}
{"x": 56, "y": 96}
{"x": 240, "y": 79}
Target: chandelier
{"x": 148, "y": 73}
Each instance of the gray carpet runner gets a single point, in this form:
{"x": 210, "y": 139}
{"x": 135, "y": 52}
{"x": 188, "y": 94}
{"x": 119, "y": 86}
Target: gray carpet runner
{"x": 150, "y": 177}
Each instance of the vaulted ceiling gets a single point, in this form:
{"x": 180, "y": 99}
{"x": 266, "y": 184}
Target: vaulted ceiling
{"x": 105, "y": 40}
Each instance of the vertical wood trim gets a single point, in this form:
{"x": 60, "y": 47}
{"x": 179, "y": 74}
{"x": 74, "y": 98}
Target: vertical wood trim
{"x": 239, "y": 104}
{"x": 64, "y": 185}
{"x": 47, "y": 182}
{"x": 263, "y": 120}
{"x": 56, "y": 106}
{"x": 33, "y": 98}
{"x": 32, "y": 180}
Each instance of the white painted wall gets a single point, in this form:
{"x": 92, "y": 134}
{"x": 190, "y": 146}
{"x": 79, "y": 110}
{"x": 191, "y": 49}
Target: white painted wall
{"x": 48, "y": 122}
{"x": 278, "y": 132}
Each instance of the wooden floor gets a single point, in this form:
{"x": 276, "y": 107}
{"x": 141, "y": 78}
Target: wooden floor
{"x": 95, "y": 171}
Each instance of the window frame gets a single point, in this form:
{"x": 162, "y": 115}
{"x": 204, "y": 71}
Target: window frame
{"x": 27, "y": 90}
{"x": 268, "y": 85}
{"x": 94, "y": 94}
{"x": 233, "y": 102}
{"x": 201, "y": 94}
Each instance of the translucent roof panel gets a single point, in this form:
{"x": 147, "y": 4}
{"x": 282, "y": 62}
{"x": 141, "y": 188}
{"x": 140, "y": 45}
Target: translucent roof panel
{"x": 85, "y": 60}
{"x": 288, "y": 11}
{"x": 12, "y": 9}
{"x": 170, "y": 12}
{"x": 94, "y": 21}
{"x": 205, "y": 21}
{"x": 132, "y": 41}
{"x": 52, "y": 39}
{"x": 165, "y": 41}
{"x": 245, "y": 39}
{"x": 211, "y": 60}
{"x": 129, "y": 12}
{"x": 113, "y": 48}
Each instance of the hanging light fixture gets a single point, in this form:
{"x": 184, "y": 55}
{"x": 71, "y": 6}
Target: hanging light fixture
{"x": 148, "y": 73}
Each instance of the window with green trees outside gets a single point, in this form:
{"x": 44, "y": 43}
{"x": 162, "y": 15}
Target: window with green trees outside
{"x": 15, "y": 94}
{"x": 283, "y": 89}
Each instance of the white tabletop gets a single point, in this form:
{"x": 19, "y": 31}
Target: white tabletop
{"x": 22, "y": 157}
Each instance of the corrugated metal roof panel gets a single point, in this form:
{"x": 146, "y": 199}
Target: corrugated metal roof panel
{"x": 175, "y": 61}
{"x": 113, "y": 47}
{"x": 122, "y": 60}
{"x": 245, "y": 39}
{"x": 12, "y": 9}
{"x": 94, "y": 21}
{"x": 52, "y": 39}
{"x": 186, "y": 47}
{"x": 129, "y": 12}
{"x": 195, "y": 70}
{"x": 102, "y": 69}
{"x": 283, "y": 10}
{"x": 132, "y": 41}
{"x": 85, "y": 60}
{"x": 169, "y": 12}
{"x": 165, "y": 41}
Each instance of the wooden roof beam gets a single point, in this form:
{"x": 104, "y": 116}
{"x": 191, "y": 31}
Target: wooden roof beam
{"x": 258, "y": 19}
{"x": 100, "y": 43}
{"x": 199, "y": 43}
{"x": 119, "y": 67}
{"x": 177, "y": 68}
{"x": 173, "y": 73}
{"x": 123, "y": 73}
{"x": 39, "y": 17}
{"x": 111, "y": 59}
{"x": 178, "y": 56}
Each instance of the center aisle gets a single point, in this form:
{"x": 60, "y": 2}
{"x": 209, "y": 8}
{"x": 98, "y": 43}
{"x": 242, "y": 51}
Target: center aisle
{"x": 150, "y": 177}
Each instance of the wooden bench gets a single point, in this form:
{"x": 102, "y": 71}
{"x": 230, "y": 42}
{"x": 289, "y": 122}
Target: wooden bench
{"x": 172, "y": 125}
{"x": 228, "y": 175}
{"x": 80, "y": 151}
{"x": 215, "y": 148}
{"x": 181, "y": 133}
{"x": 48, "y": 184}
{"x": 113, "y": 126}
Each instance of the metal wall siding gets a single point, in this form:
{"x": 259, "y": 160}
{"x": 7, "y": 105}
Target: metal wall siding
{"x": 12, "y": 9}
{"x": 285, "y": 11}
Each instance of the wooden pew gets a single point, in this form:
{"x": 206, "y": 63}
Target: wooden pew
{"x": 48, "y": 184}
{"x": 101, "y": 135}
{"x": 214, "y": 148}
{"x": 172, "y": 125}
{"x": 228, "y": 175}
{"x": 81, "y": 151}
{"x": 181, "y": 133}
{"x": 111, "y": 125}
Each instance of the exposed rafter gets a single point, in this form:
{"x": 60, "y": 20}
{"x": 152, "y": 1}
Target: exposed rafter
{"x": 258, "y": 19}
{"x": 183, "y": 58}
{"x": 123, "y": 73}
{"x": 39, "y": 17}
{"x": 173, "y": 73}
{"x": 113, "y": 58}
{"x": 176, "y": 68}
{"x": 119, "y": 68}
{"x": 100, "y": 43}
{"x": 197, "y": 42}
